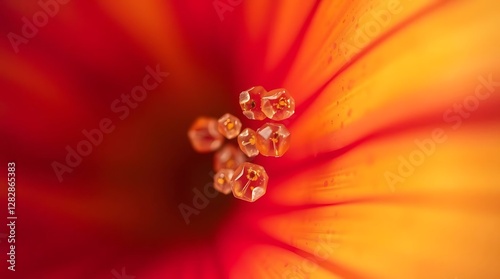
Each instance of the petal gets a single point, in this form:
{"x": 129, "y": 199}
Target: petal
{"x": 415, "y": 76}
{"x": 342, "y": 31}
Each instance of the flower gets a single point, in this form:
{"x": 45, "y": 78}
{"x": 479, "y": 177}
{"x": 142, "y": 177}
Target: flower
{"x": 392, "y": 170}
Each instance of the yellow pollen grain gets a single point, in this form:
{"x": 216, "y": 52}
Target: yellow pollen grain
{"x": 251, "y": 140}
{"x": 282, "y": 103}
{"x": 229, "y": 124}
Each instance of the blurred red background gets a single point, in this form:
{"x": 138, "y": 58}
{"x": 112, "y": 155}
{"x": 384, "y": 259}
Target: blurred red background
{"x": 118, "y": 208}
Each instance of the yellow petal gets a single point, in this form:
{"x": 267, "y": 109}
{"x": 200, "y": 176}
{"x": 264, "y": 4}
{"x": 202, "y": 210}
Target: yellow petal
{"x": 414, "y": 75}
